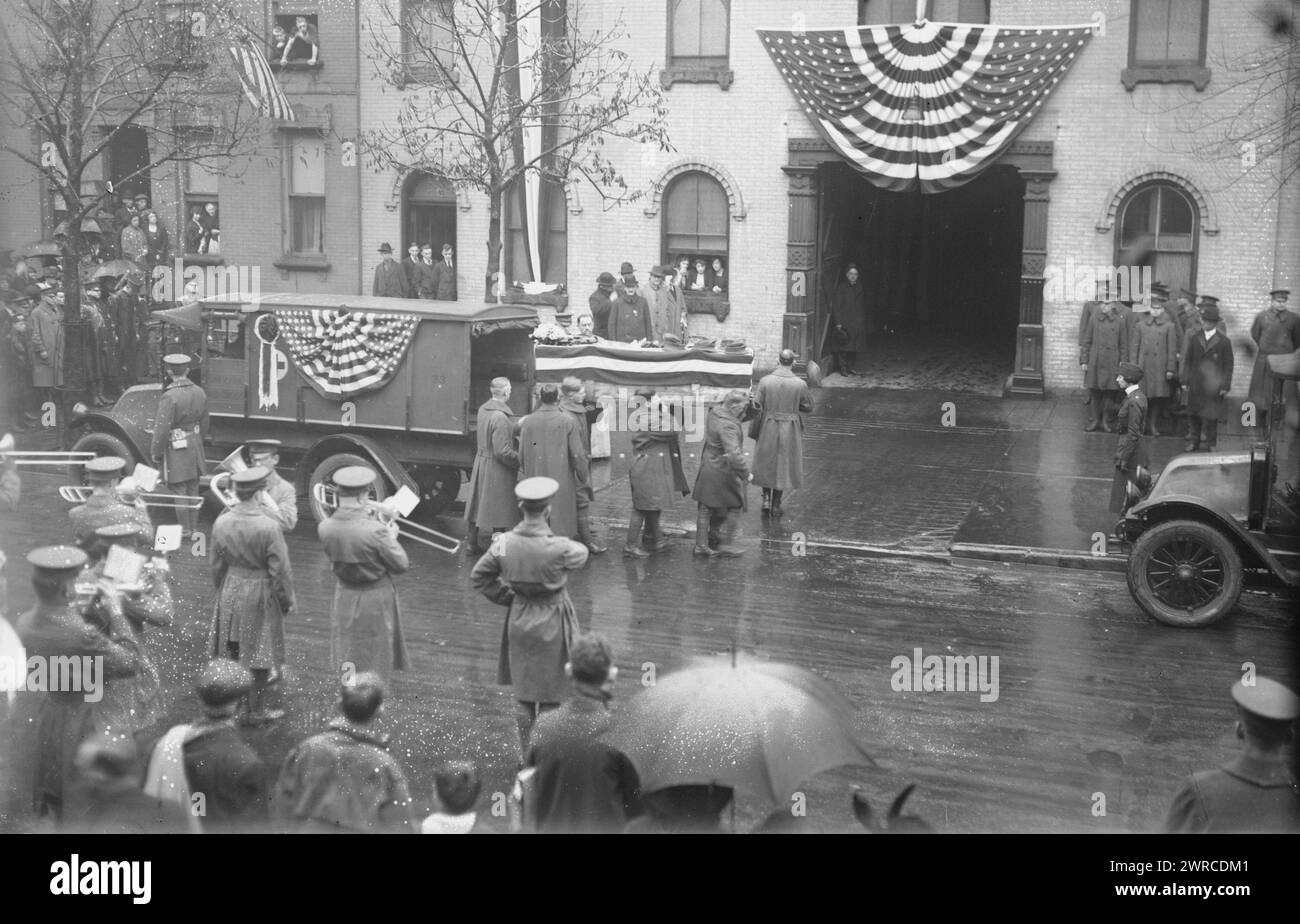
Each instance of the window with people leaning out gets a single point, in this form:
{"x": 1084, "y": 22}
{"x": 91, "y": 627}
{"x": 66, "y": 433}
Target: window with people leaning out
{"x": 295, "y": 41}
{"x": 696, "y": 216}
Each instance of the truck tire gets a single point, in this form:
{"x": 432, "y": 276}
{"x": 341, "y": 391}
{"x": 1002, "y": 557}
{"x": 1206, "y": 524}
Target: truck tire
{"x": 1185, "y": 574}
{"x": 101, "y": 444}
{"x": 324, "y": 474}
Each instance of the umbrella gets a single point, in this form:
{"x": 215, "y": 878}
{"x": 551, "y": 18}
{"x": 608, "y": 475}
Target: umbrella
{"x": 41, "y": 249}
{"x": 759, "y": 727}
{"x": 114, "y": 268}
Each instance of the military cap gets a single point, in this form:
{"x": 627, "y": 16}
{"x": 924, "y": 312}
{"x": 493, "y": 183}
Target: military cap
{"x": 626, "y": 269}
{"x": 1132, "y": 372}
{"x": 104, "y": 468}
{"x": 251, "y": 476}
{"x": 605, "y": 279}
{"x": 1208, "y": 300}
{"x": 33, "y": 292}
{"x": 260, "y": 447}
{"x": 222, "y": 682}
{"x": 1159, "y": 288}
{"x": 57, "y": 559}
{"x": 118, "y": 531}
{"x": 1210, "y": 312}
{"x": 537, "y": 489}
{"x": 354, "y": 477}
{"x": 385, "y": 247}
{"x": 1282, "y": 294}
{"x": 1187, "y": 294}
{"x": 1267, "y": 699}
{"x": 177, "y": 360}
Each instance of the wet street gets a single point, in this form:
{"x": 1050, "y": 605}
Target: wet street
{"x": 1091, "y": 697}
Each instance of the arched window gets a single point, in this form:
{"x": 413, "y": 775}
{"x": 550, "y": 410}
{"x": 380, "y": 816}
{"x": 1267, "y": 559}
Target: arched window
{"x": 696, "y": 221}
{"x": 1157, "y": 227}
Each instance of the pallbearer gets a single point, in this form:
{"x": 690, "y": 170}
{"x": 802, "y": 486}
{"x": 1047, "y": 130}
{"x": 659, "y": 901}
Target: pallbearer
{"x": 104, "y": 507}
{"x": 366, "y": 620}
{"x": 279, "y": 500}
{"x": 180, "y": 426}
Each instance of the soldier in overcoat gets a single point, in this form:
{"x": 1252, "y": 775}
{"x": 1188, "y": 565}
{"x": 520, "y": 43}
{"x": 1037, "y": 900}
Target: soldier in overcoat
{"x": 179, "y": 431}
{"x": 782, "y": 400}
{"x": 656, "y": 475}
{"x": 723, "y": 476}
{"x": 492, "y": 505}
{"x": 550, "y": 446}
{"x": 1131, "y": 447}
{"x": 1104, "y": 347}
{"x": 1206, "y": 371}
{"x": 1275, "y": 330}
{"x": 1155, "y": 349}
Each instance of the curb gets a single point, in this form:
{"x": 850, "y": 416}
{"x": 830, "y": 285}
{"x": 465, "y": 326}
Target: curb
{"x": 1028, "y": 555}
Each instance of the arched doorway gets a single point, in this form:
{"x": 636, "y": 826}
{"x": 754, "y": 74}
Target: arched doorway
{"x": 428, "y": 213}
{"x": 128, "y": 162}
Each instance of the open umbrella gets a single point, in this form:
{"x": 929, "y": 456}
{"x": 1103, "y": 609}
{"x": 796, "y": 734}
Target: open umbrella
{"x": 114, "y": 268}
{"x": 40, "y": 249}
{"x": 759, "y": 727}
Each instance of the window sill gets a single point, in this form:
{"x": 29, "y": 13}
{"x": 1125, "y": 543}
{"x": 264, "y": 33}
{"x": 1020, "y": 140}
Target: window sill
{"x": 697, "y": 73}
{"x": 425, "y": 75}
{"x": 203, "y": 259}
{"x": 1195, "y": 74}
{"x": 296, "y": 65}
{"x": 717, "y": 305}
{"x": 299, "y": 261}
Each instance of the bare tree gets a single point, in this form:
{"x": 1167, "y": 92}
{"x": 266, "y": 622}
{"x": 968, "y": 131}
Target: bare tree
{"x": 477, "y": 75}
{"x": 79, "y": 73}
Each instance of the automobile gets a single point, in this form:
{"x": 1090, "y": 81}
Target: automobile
{"x": 316, "y": 372}
{"x": 1211, "y": 523}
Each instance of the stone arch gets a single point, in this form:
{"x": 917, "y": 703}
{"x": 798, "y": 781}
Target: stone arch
{"x": 1152, "y": 174}
{"x": 399, "y": 185}
{"x": 700, "y": 165}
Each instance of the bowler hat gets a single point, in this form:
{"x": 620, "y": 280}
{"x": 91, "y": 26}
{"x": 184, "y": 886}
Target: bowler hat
{"x": 626, "y": 269}
{"x": 605, "y": 279}
{"x": 222, "y": 682}
{"x": 660, "y": 271}
{"x": 1210, "y": 312}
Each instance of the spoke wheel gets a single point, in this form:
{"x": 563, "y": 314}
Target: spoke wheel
{"x": 1185, "y": 573}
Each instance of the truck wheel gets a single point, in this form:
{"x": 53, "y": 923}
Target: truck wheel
{"x": 1184, "y": 573}
{"x": 101, "y": 444}
{"x": 324, "y": 474}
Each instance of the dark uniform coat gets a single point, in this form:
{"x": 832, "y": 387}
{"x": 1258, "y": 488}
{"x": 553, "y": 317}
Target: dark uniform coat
{"x": 1155, "y": 349}
{"x": 665, "y": 312}
{"x": 390, "y": 280}
{"x": 849, "y": 311}
{"x": 122, "y": 308}
{"x": 46, "y": 327}
{"x": 232, "y": 778}
{"x": 250, "y": 567}
{"x": 629, "y": 317}
{"x": 496, "y": 469}
{"x": 1131, "y": 448}
{"x": 1104, "y": 347}
{"x": 656, "y": 476}
{"x": 102, "y": 508}
{"x": 526, "y": 569}
{"x": 550, "y": 444}
{"x": 443, "y": 281}
{"x": 1205, "y": 371}
{"x": 138, "y": 702}
{"x": 584, "y": 416}
{"x": 600, "y": 304}
{"x": 724, "y": 470}
{"x": 343, "y": 781}
{"x": 283, "y": 506}
{"x": 182, "y": 414}
{"x": 783, "y": 399}
{"x": 1274, "y": 332}
{"x": 1246, "y": 796}
{"x": 366, "y": 619}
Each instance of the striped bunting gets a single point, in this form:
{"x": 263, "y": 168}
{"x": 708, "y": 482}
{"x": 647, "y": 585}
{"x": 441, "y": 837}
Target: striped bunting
{"x": 977, "y": 88}
{"x": 343, "y": 353}
{"x": 615, "y": 366}
{"x": 259, "y": 83}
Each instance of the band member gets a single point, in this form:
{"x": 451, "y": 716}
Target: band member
{"x": 656, "y": 474}
{"x": 279, "y": 500}
{"x": 366, "y": 619}
{"x": 782, "y": 400}
{"x": 58, "y": 721}
{"x": 104, "y": 507}
{"x": 526, "y": 569}
{"x": 1155, "y": 349}
{"x": 492, "y": 506}
{"x": 180, "y": 429}
{"x": 723, "y": 476}
{"x": 1275, "y": 330}
{"x": 550, "y": 445}
{"x": 1104, "y": 347}
{"x": 1206, "y": 372}
{"x": 573, "y": 401}
{"x": 1131, "y": 448}
{"x": 250, "y": 568}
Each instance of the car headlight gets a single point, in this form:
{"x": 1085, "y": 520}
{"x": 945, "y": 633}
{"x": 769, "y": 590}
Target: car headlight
{"x": 81, "y": 409}
{"x": 1132, "y": 494}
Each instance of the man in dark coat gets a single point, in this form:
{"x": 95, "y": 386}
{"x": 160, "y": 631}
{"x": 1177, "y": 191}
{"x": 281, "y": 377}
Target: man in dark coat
{"x": 526, "y": 570}
{"x": 106, "y": 798}
{"x": 413, "y": 268}
{"x": 601, "y": 303}
{"x": 573, "y": 401}
{"x": 444, "y": 276}
{"x": 723, "y": 476}
{"x": 123, "y": 305}
{"x": 1130, "y": 448}
{"x": 1104, "y": 347}
{"x": 366, "y": 617}
{"x": 424, "y": 282}
{"x": 550, "y": 445}
{"x": 492, "y": 505}
{"x": 583, "y": 786}
{"x": 849, "y": 320}
{"x": 179, "y": 431}
{"x": 1155, "y": 348}
{"x": 1275, "y": 330}
{"x": 344, "y": 780}
{"x": 629, "y": 316}
{"x": 782, "y": 400}
{"x": 1206, "y": 372}
{"x": 1254, "y": 793}
{"x": 104, "y": 507}
{"x": 390, "y": 279}
{"x": 656, "y": 475}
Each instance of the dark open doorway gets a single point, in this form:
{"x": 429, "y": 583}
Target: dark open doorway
{"x": 128, "y": 162}
{"x": 942, "y": 274}
{"x": 429, "y": 213}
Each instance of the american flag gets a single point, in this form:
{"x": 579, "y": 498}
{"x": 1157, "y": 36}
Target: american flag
{"x": 343, "y": 352}
{"x": 259, "y": 83}
{"x": 977, "y": 88}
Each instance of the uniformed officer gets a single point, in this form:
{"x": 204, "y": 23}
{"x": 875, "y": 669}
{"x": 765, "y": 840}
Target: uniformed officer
{"x": 280, "y": 500}
{"x": 180, "y": 428}
{"x": 1254, "y": 792}
{"x": 104, "y": 507}
{"x": 526, "y": 569}
{"x": 1131, "y": 448}
{"x": 250, "y": 567}
{"x": 492, "y": 506}
{"x": 1275, "y": 330}
{"x": 366, "y": 619}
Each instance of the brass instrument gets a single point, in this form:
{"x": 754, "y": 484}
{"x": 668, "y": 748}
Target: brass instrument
{"x": 80, "y": 493}
{"x": 327, "y": 496}
{"x": 220, "y": 485}
{"x": 45, "y": 458}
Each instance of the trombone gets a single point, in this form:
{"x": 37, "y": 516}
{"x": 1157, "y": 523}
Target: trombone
{"x": 80, "y": 493}
{"x": 45, "y": 458}
{"x": 327, "y": 496}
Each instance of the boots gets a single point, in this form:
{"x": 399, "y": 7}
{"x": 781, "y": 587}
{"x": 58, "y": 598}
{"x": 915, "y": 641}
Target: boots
{"x": 776, "y": 503}
{"x": 703, "y": 524}
{"x": 584, "y": 533}
{"x": 653, "y": 521}
{"x": 729, "y": 533}
{"x": 631, "y": 546}
{"x": 767, "y": 500}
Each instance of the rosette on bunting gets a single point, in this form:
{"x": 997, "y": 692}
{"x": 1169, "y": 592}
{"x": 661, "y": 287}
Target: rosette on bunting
{"x": 343, "y": 353}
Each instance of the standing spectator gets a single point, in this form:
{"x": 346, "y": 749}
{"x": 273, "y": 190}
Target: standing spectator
{"x": 849, "y": 320}
{"x": 1206, "y": 371}
{"x": 123, "y": 306}
{"x": 681, "y": 276}
{"x": 135, "y": 246}
{"x": 412, "y": 267}
{"x": 16, "y": 365}
{"x": 629, "y": 316}
{"x": 390, "y": 279}
{"x": 1155, "y": 349}
{"x": 699, "y": 276}
{"x": 425, "y": 277}
{"x": 105, "y": 797}
{"x": 550, "y": 446}
{"x": 656, "y": 474}
{"x": 526, "y": 570}
{"x": 1104, "y": 347}
{"x": 1254, "y": 793}
{"x": 573, "y": 401}
{"x": 156, "y": 239}
{"x": 303, "y": 44}
{"x": 211, "y": 230}
{"x": 343, "y": 780}
{"x": 665, "y": 312}
{"x": 456, "y": 788}
{"x": 717, "y": 277}
{"x": 492, "y": 505}
{"x": 583, "y": 786}
{"x": 444, "y": 276}
{"x": 46, "y": 349}
{"x": 691, "y": 808}
{"x": 195, "y": 234}
{"x": 1275, "y": 330}
{"x": 1131, "y": 447}
{"x": 279, "y": 42}
{"x": 180, "y": 430}
{"x": 601, "y": 303}
{"x": 724, "y": 473}
{"x": 782, "y": 400}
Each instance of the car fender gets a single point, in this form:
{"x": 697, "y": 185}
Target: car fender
{"x": 1254, "y": 554}
{"x": 335, "y": 443}
{"x": 102, "y": 422}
